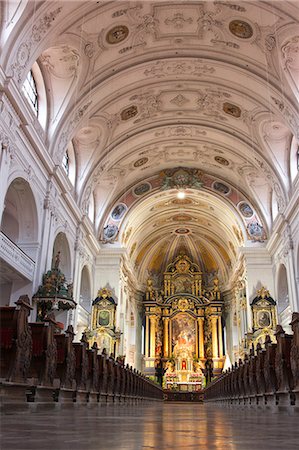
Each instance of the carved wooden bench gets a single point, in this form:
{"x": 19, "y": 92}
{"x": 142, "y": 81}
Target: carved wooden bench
{"x": 15, "y": 350}
{"x": 81, "y": 370}
{"x": 66, "y": 363}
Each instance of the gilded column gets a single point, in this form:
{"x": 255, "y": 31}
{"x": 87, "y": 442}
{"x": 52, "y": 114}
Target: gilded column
{"x": 196, "y": 339}
{"x": 166, "y": 286}
{"x": 201, "y": 337}
{"x": 214, "y": 336}
{"x": 166, "y": 337}
{"x": 220, "y": 337}
{"x": 153, "y": 337}
{"x": 147, "y": 331}
{"x": 170, "y": 340}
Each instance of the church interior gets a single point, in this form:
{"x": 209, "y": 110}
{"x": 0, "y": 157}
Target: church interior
{"x": 149, "y": 204}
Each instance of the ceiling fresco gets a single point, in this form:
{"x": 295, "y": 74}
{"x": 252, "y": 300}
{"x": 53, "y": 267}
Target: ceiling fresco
{"x": 162, "y": 99}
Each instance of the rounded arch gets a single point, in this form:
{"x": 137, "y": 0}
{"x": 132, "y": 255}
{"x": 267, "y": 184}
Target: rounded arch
{"x": 61, "y": 246}
{"x": 282, "y": 289}
{"x": 19, "y": 219}
{"x": 19, "y": 223}
{"x": 85, "y": 289}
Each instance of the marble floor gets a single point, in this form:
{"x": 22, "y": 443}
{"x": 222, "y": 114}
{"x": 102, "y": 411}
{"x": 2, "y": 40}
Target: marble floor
{"x": 153, "y": 426}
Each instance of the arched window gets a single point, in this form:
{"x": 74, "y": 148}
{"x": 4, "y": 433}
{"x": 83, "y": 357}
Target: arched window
{"x": 30, "y": 91}
{"x": 69, "y": 163}
{"x": 282, "y": 290}
{"x": 90, "y": 208}
{"x": 294, "y": 158}
{"x": 66, "y": 163}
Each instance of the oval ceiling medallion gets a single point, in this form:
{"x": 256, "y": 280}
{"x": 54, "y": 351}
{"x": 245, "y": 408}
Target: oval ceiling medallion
{"x": 221, "y": 187}
{"x": 232, "y": 110}
{"x": 182, "y": 231}
{"x": 241, "y": 29}
{"x": 255, "y": 230}
{"x": 118, "y": 211}
{"x": 129, "y": 113}
{"x": 245, "y": 209}
{"x": 142, "y": 189}
{"x": 117, "y": 34}
{"x": 110, "y": 231}
{"x": 140, "y": 162}
{"x": 222, "y": 161}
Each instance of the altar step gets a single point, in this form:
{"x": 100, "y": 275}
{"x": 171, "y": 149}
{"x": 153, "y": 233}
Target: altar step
{"x": 179, "y": 396}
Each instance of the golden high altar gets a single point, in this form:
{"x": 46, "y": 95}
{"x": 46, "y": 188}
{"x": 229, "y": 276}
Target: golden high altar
{"x": 183, "y": 326}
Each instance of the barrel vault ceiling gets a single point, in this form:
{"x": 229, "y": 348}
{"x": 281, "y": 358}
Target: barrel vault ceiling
{"x": 200, "y": 95}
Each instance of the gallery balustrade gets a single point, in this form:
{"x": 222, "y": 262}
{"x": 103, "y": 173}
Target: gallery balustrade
{"x": 13, "y": 255}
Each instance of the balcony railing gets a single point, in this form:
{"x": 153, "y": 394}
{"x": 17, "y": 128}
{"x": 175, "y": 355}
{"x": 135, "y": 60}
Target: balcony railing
{"x": 16, "y": 258}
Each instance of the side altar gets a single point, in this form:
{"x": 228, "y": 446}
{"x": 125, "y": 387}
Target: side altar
{"x": 103, "y": 331}
{"x": 183, "y": 327}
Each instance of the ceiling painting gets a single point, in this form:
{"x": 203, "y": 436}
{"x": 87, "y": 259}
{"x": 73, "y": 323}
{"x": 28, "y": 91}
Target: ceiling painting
{"x": 181, "y": 116}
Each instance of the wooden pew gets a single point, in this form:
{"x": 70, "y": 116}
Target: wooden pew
{"x": 94, "y": 371}
{"x": 294, "y": 358}
{"x": 260, "y": 377}
{"x": 44, "y": 361}
{"x": 82, "y": 370}
{"x": 283, "y": 372}
{"x": 122, "y": 383}
{"x": 15, "y": 351}
{"x": 66, "y": 364}
{"x": 117, "y": 382}
{"x": 15, "y": 341}
{"x": 103, "y": 377}
{"x": 269, "y": 379}
{"x": 110, "y": 381}
{"x": 269, "y": 371}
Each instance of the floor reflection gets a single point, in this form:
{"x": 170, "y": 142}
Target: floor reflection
{"x": 154, "y": 426}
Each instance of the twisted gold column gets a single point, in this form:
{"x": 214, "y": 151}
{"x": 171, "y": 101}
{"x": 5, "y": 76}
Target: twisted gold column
{"x": 166, "y": 337}
{"x": 201, "y": 337}
{"x": 147, "y": 331}
{"x": 220, "y": 340}
{"x": 196, "y": 340}
{"x": 153, "y": 337}
{"x": 214, "y": 337}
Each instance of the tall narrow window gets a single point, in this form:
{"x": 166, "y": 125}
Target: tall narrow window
{"x": 66, "y": 162}
{"x": 30, "y": 91}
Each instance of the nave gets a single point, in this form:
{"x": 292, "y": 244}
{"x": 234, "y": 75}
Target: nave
{"x": 151, "y": 426}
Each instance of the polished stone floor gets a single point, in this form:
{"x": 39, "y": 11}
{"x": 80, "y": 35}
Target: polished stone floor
{"x": 154, "y": 426}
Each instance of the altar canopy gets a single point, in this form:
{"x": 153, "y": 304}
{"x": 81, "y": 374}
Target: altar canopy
{"x": 183, "y": 325}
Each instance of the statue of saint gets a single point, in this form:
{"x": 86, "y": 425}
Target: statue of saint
{"x": 57, "y": 261}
